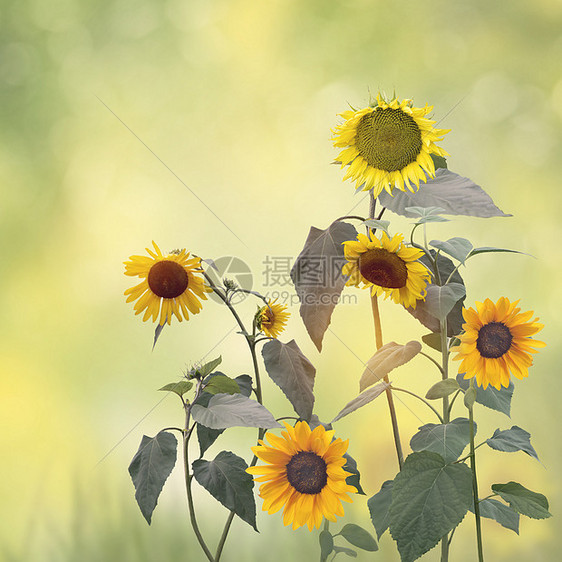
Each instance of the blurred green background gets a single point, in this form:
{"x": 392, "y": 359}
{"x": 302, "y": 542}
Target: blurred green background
{"x": 238, "y": 98}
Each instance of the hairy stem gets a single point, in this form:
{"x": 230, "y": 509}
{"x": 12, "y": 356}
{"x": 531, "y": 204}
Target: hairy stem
{"x": 446, "y": 411}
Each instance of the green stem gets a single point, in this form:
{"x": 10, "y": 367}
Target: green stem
{"x": 188, "y": 478}
{"x": 378, "y": 343}
{"x": 453, "y": 400}
{"x": 419, "y": 398}
{"x": 433, "y": 361}
{"x": 326, "y": 528}
{"x": 475, "y": 482}
{"x": 446, "y": 411}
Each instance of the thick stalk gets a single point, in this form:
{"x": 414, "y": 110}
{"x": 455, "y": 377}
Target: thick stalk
{"x": 475, "y": 483}
{"x": 378, "y": 343}
{"x": 188, "y": 478}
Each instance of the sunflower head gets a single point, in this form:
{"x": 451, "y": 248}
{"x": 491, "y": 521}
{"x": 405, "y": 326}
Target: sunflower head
{"x": 496, "y": 342}
{"x": 171, "y": 284}
{"x": 387, "y": 266}
{"x": 272, "y": 318}
{"x": 304, "y": 474}
{"x": 388, "y": 145}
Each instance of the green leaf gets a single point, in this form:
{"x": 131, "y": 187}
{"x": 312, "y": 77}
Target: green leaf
{"x": 429, "y": 498}
{"x": 209, "y": 367}
{"x": 489, "y": 249}
{"x": 522, "y": 500}
{"x": 355, "y": 478}
{"x": 423, "y": 312}
{"x": 387, "y": 358}
{"x": 503, "y": 514}
{"x": 442, "y": 388}
{"x": 375, "y": 224}
{"x": 233, "y": 410}
{"x": 359, "y": 537}
{"x": 179, "y": 387}
{"x": 289, "y": 369}
{"x": 470, "y": 397}
{"x": 447, "y": 440}
{"x": 511, "y": 440}
{"x": 351, "y": 553}
{"x": 226, "y": 479}
{"x": 150, "y": 468}
{"x": 455, "y": 194}
{"x": 364, "y": 398}
{"x": 379, "y": 507}
{"x": 438, "y": 161}
{"x": 207, "y": 436}
{"x": 432, "y": 340}
{"x": 222, "y": 384}
{"x": 432, "y": 218}
{"x": 318, "y": 278}
{"x": 439, "y": 301}
{"x": 458, "y": 248}
{"x": 326, "y": 544}
{"x": 499, "y": 400}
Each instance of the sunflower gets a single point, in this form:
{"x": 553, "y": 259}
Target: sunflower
{"x": 271, "y": 319}
{"x": 496, "y": 341}
{"x": 304, "y": 473}
{"x": 170, "y": 284}
{"x": 388, "y": 266}
{"x": 389, "y": 145}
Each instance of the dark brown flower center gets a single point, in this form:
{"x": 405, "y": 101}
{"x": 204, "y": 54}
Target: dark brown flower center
{"x": 494, "y": 339}
{"x": 383, "y": 268}
{"x": 389, "y": 139}
{"x": 167, "y": 279}
{"x": 306, "y": 472}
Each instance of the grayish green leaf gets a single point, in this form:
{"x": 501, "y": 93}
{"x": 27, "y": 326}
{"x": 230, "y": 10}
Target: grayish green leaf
{"x": 375, "y": 224}
{"x": 422, "y": 311}
{"x": 439, "y": 301}
{"x": 226, "y": 479}
{"x": 364, "y": 398}
{"x": 499, "y": 400}
{"x": 522, "y": 500}
{"x": 511, "y": 440}
{"x": 470, "y": 397}
{"x": 455, "y": 194}
{"x": 424, "y": 211}
{"x": 503, "y": 514}
{"x": 379, "y": 507}
{"x": 207, "y": 436}
{"x": 341, "y": 549}
{"x": 179, "y": 387}
{"x": 318, "y": 278}
{"x": 429, "y": 498}
{"x": 233, "y": 410}
{"x": 359, "y": 537}
{"x": 150, "y": 468}
{"x": 458, "y": 248}
{"x": 222, "y": 384}
{"x": 387, "y": 358}
{"x": 442, "y": 388}
{"x": 326, "y": 544}
{"x": 157, "y": 333}
{"x": 293, "y": 373}
{"x": 432, "y": 340}
{"x": 447, "y": 440}
{"x": 490, "y": 249}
